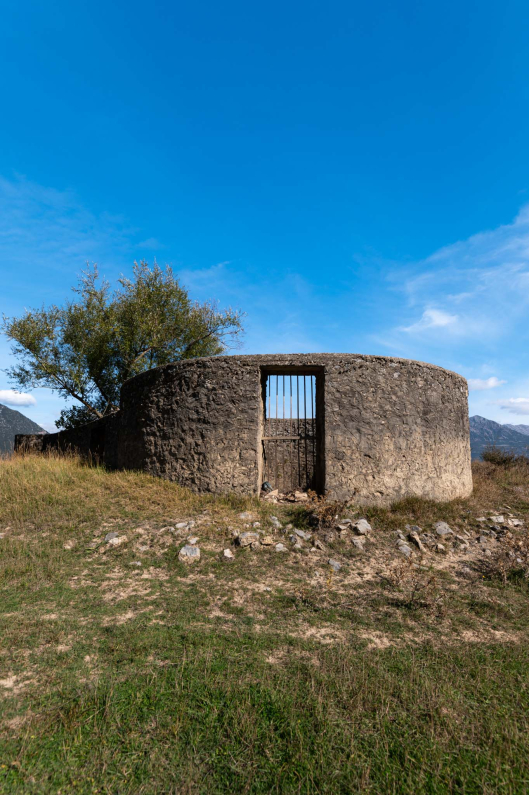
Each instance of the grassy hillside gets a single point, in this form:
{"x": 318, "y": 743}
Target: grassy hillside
{"x": 123, "y": 670}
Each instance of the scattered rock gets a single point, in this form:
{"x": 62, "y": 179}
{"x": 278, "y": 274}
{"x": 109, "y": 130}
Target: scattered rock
{"x": 111, "y": 536}
{"x": 302, "y": 534}
{"x": 245, "y": 539}
{"x": 401, "y": 535}
{"x": 362, "y": 527}
{"x": 246, "y": 516}
{"x": 181, "y": 526}
{"x": 514, "y": 523}
{"x": 481, "y": 519}
{"x": 413, "y": 528}
{"x": 335, "y": 566}
{"x": 274, "y": 521}
{"x": 319, "y": 545}
{"x": 168, "y": 529}
{"x": 189, "y": 554}
{"x": 255, "y": 545}
{"x": 192, "y": 540}
{"x": 267, "y": 541}
{"x": 136, "y": 563}
{"x": 440, "y": 548}
{"x": 359, "y": 543}
{"x": 256, "y": 524}
{"x": 116, "y": 542}
{"x": 228, "y": 554}
{"x": 497, "y": 519}
{"x": 280, "y": 548}
{"x": 403, "y": 548}
{"x": 414, "y": 538}
{"x": 442, "y": 529}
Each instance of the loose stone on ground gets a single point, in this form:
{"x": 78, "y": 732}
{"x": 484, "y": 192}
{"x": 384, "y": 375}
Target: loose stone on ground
{"x": 189, "y": 554}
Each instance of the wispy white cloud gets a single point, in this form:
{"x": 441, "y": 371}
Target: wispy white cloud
{"x": 431, "y": 318}
{"x": 475, "y": 290}
{"x": 479, "y": 384}
{"x": 514, "y": 405}
{"x": 12, "y": 398}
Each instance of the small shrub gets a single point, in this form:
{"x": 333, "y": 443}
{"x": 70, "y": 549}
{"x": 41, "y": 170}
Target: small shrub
{"x": 502, "y": 458}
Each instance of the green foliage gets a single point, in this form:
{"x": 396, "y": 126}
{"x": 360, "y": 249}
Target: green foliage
{"x": 86, "y": 349}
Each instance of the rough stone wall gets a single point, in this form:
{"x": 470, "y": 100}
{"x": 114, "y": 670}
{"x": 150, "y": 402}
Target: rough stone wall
{"x": 391, "y": 427}
{"x": 196, "y": 422}
{"x": 395, "y": 428}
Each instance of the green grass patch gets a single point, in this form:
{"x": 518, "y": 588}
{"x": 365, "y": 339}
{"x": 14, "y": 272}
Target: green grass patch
{"x": 212, "y": 715}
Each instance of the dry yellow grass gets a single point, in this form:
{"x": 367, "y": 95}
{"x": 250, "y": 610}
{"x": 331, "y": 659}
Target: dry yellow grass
{"x": 63, "y": 489}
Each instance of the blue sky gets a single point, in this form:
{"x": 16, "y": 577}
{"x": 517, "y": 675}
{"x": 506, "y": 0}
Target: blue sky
{"x": 355, "y": 176}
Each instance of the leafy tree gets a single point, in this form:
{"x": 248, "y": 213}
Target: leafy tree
{"x": 86, "y": 349}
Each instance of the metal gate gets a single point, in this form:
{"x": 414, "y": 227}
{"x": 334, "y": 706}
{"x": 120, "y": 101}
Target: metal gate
{"x": 290, "y": 432}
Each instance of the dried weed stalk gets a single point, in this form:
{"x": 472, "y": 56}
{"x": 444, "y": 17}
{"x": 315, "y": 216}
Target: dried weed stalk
{"x": 416, "y": 588}
{"x": 510, "y": 562}
{"x": 327, "y": 512}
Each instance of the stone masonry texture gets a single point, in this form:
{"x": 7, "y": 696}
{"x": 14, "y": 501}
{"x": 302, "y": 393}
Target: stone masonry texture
{"x": 390, "y": 428}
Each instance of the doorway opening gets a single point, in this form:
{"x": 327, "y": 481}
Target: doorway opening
{"x": 292, "y": 432}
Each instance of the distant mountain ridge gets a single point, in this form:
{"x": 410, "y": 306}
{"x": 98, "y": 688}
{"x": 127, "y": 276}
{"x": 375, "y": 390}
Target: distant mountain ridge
{"x": 520, "y": 428}
{"x": 11, "y": 423}
{"x": 485, "y": 433}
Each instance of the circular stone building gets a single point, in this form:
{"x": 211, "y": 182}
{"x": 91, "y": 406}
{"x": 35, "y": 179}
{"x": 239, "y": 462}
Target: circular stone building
{"x": 368, "y": 429}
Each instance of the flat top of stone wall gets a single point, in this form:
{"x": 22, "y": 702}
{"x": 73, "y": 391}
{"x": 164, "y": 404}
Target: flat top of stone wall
{"x": 301, "y": 359}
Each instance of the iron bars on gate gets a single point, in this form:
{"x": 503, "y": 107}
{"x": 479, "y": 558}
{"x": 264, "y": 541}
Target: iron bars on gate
{"x": 290, "y": 433}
